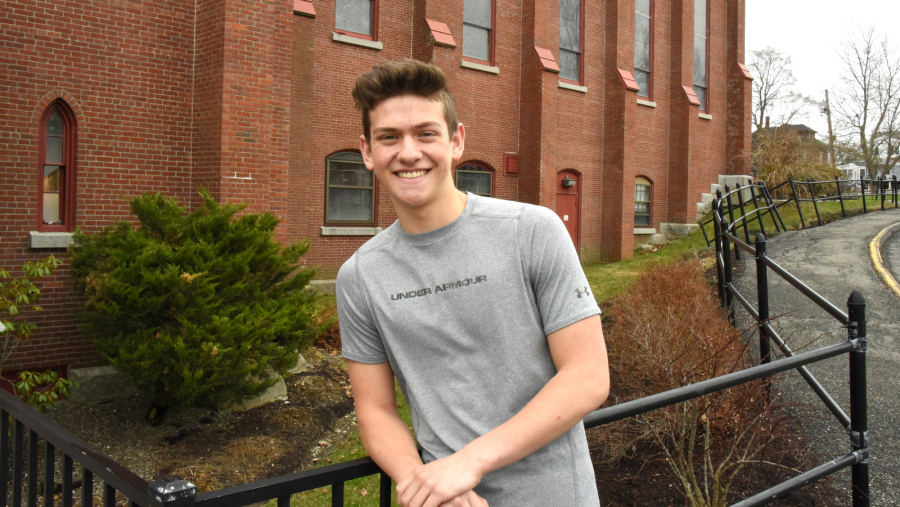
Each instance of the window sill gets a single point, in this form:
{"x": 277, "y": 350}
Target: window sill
{"x": 350, "y": 231}
{"x": 644, "y": 230}
{"x": 573, "y": 87}
{"x": 647, "y": 103}
{"x": 704, "y": 116}
{"x": 479, "y": 66}
{"x": 38, "y": 240}
{"x": 346, "y": 39}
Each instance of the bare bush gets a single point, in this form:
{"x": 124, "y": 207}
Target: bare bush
{"x": 781, "y": 153}
{"x": 669, "y": 332}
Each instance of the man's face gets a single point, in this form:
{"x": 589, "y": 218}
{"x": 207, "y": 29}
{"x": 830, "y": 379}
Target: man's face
{"x": 411, "y": 151}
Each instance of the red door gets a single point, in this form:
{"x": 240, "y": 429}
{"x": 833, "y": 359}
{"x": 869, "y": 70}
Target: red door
{"x": 568, "y": 202}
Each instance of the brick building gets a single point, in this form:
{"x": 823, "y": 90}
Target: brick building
{"x": 617, "y": 113}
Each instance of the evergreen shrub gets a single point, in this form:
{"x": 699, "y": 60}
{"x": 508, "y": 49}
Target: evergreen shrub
{"x": 198, "y": 308}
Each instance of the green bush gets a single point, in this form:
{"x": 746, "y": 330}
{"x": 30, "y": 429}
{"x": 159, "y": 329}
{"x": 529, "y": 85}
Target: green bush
{"x": 196, "y": 308}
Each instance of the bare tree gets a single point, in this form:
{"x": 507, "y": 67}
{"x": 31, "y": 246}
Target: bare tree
{"x": 867, "y": 104}
{"x": 773, "y": 95}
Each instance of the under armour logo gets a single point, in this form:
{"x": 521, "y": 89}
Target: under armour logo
{"x": 586, "y": 292}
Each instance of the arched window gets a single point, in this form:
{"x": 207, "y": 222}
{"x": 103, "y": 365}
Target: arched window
{"x": 350, "y": 190}
{"x": 56, "y": 173}
{"x": 476, "y": 178}
{"x": 641, "y": 202}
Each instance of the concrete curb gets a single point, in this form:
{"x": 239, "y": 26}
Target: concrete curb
{"x": 875, "y": 252}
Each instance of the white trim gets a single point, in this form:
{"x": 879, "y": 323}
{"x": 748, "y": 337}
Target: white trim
{"x": 350, "y": 231}
{"x": 644, "y": 230}
{"x": 50, "y": 239}
{"x": 570, "y": 86}
{"x": 704, "y": 116}
{"x": 346, "y": 39}
{"x": 642, "y": 102}
{"x": 479, "y": 66}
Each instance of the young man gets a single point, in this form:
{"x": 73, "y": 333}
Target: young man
{"x": 481, "y": 311}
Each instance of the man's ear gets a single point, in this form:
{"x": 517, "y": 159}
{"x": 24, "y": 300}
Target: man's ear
{"x": 366, "y": 151}
{"x": 458, "y": 142}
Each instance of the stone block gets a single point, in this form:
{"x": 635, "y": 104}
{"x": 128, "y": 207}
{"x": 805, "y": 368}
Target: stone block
{"x": 322, "y": 286}
{"x": 100, "y": 383}
{"x": 277, "y": 392}
{"x": 658, "y": 239}
{"x": 675, "y": 231}
{"x": 300, "y": 367}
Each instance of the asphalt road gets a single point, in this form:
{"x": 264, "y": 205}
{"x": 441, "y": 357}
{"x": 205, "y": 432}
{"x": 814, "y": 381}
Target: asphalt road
{"x": 834, "y": 260}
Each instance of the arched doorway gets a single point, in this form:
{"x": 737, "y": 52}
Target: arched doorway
{"x": 568, "y": 202}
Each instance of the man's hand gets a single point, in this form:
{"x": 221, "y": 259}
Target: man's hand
{"x": 441, "y": 482}
{"x": 470, "y": 499}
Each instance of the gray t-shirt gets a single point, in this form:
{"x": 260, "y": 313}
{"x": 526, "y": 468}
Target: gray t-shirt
{"x": 462, "y": 314}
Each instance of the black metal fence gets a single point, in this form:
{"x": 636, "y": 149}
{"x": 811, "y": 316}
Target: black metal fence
{"x": 40, "y": 461}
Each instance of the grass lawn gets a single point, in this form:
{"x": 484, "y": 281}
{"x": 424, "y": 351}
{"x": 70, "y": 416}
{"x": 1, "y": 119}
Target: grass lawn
{"x": 607, "y": 281}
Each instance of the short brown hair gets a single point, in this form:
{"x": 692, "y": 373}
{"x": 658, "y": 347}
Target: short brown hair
{"x": 403, "y": 77}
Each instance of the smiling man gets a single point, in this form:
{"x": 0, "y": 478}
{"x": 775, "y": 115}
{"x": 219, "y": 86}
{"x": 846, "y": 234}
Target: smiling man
{"x": 480, "y": 310}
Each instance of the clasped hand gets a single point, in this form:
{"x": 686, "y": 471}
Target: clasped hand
{"x": 447, "y": 482}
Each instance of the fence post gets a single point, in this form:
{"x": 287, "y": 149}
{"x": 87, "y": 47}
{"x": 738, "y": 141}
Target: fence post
{"x": 760, "y": 216}
{"x": 717, "y": 232}
{"x": 859, "y": 424}
{"x": 894, "y": 189}
{"x": 812, "y": 195}
{"x": 740, "y": 195}
{"x": 837, "y": 182}
{"x": 726, "y": 257}
{"x": 797, "y": 201}
{"x": 862, "y": 189}
{"x": 737, "y": 251}
{"x": 762, "y": 297}
{"x": 171, "y": 491}
{"x": 881, "y": 190}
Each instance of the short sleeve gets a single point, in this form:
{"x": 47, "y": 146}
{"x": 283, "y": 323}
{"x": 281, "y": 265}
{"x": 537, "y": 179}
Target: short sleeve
{"x": 562, "y": 292}
{"x": 360, "y": 339}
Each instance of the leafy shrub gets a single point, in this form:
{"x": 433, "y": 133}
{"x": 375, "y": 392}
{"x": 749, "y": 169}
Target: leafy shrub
{"x": 668, "y": 331}
{"x": 196, "y": 308}
{"x": 18, "y": 296}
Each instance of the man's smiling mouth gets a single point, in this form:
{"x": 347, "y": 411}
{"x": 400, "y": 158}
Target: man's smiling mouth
{"x": 412, "y": 174}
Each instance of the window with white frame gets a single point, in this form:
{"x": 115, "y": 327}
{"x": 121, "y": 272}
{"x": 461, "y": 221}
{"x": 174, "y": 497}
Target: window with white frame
{"x": 701, "y": 51}
{"x": 643, "y": 43}
{"x": 570, "y": 60}
{"x": 641, "y": 202}
{"x": 350, "y": 190}
{"x": 356, "y": 17}
{"x": 478, "y": 33}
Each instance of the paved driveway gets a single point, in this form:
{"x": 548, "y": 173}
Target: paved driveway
{"x": 834, "y": 260}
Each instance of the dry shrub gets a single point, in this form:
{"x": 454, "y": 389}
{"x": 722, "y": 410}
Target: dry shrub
{"x": 782, "y": 153}
{"x": 668, "y": 332}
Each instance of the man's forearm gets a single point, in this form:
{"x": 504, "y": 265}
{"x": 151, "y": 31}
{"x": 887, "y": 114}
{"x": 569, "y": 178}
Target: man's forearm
{"x": 388, "y": 441}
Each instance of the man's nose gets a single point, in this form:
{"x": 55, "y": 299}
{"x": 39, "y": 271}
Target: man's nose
{"x": 409, "y": 150}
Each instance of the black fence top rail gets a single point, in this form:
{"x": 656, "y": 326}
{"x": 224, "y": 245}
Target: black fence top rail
{"x": 102, "y": 466}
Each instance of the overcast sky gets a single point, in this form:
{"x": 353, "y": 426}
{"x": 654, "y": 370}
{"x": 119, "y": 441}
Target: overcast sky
{"x": 810, "y": 32}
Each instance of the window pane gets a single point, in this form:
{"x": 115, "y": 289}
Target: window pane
{"x": 568, "y": 65}
{"x": 642, "y": 43}
{"x": 700, "y": 17}
{"x": 354, "y": 16}
{"x": 700, "y": 92}
{"x": 642, "y": 79}
{"x": 570, "y": 24}
{"x": 699, "y": 60}
{"x": 55, "y": 125}
{"x": 52, "y": 177}
{"x": 476, "y": 42}
{"x": 348, "y": 174}
{"x": 54, "y": 150}
{"x": 51, "y": 208}
{"x": 642, "y": 7}
{"x": 349, "y": 205}
{"x": 477, "y": 183}
{"x": 477, "y": 12}
{"x": 641, "y": 194}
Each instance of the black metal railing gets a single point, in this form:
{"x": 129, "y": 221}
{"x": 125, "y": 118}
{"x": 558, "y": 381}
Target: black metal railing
{"x": 751, "y": 203}
{"x": 856, "y": 424}
{"x": 21, "y": 426}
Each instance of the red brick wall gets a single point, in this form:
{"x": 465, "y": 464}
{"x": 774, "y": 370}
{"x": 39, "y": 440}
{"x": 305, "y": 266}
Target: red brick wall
{"x": 248, "y": 99}
{"x": 122, "y": 67}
